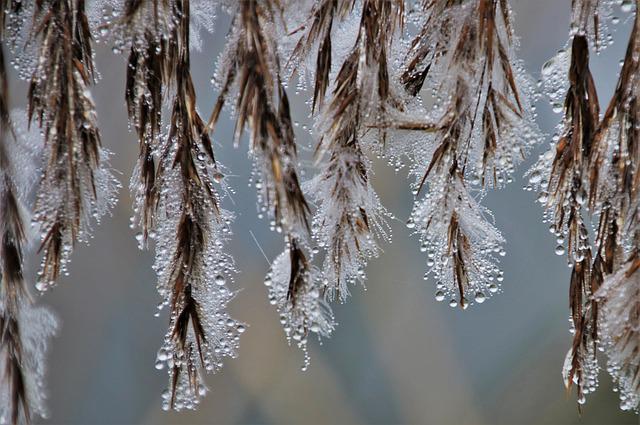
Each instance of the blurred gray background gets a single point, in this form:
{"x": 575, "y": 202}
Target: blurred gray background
{"x": 397, "y": 356}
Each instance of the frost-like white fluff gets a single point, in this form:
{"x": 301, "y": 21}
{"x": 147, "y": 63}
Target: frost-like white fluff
{"x": 476, "y": 104}
{"x": 53, "y": 199}
{"x": 209, "y": 275}
{"x": 348, "y": 221}
{"x": 457, "y": 88}
{"x": 454, "y": 229}
{"x": 306, "y": 311}
{"x": 23, "y": 152}
{"x": 620, "y": 330}
{"x": 105, "y": 15}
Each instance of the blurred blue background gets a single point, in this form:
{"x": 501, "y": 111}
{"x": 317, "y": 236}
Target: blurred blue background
{"x": 397, "y": 356}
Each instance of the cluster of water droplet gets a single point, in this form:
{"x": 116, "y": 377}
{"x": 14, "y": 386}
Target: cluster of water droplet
{"x": 465, "y": 85}
{"x": 221, "y": 339}
{"x": 214, "y": 221}
{"x": 186, "y": 397}
{"x": 208, "y": 271}
{"x": 348, "y": 222}
{"x": 625, "y": 382}
{"x": 307, "y": 312}
{"x": 555, "y": 83}
{"x": 17, "y": 38}
{"x": 586, "y": 376}
{"x": 208, "y": 278}
{"x": 517, "y": 135}
{"x": 619, "y": 327}
{"x": 222, "y": 336}
{"x": 581, "y": 246}
{"x": 54, "y": 207}
{"x": 103, "y": 15}
{"x": 431, "y": 219}
{"x": 600, "y": 31}
{"x": 281, "y": 217}
{"x": 105, "y": 19}
{"x": 76, "y": 185}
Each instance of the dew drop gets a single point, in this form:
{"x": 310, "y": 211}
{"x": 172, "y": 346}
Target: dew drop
{"x": 535, "y": 177}
{"x": 464, "y": 303}
{"x": 626, "y": 6}
{"x": 547, "y": 68}
{"x": 41, "y": 286}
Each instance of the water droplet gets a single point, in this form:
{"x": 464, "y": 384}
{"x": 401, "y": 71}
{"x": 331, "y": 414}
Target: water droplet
{"x": 220, "y": 280}
{"x": 218, "y": 177}
{"x": 41, "y": 286}
{"x": 535, "y": 177}
{"x": 162, "y": 355}
{"x": 464, "y": 303}
{"x": 547, "y": 68}
{"x": 202, "y": 390}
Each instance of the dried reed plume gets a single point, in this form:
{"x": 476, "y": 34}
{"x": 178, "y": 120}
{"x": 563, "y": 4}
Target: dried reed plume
{"x": 251, "y": 65}
{"x": 191, "y": 229}
{"x": 476, "y": 137}
{"x": 145, "y": 28}
{"x": 614, "y": 194}
{"x": 591, "y": 169}
{"x": 251, "y": 62}
{"x": 567, "y": 193}
{"x": 75, "y": 185}
{"x": 350, "y": 216}
{"x": 318, "y": 30}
